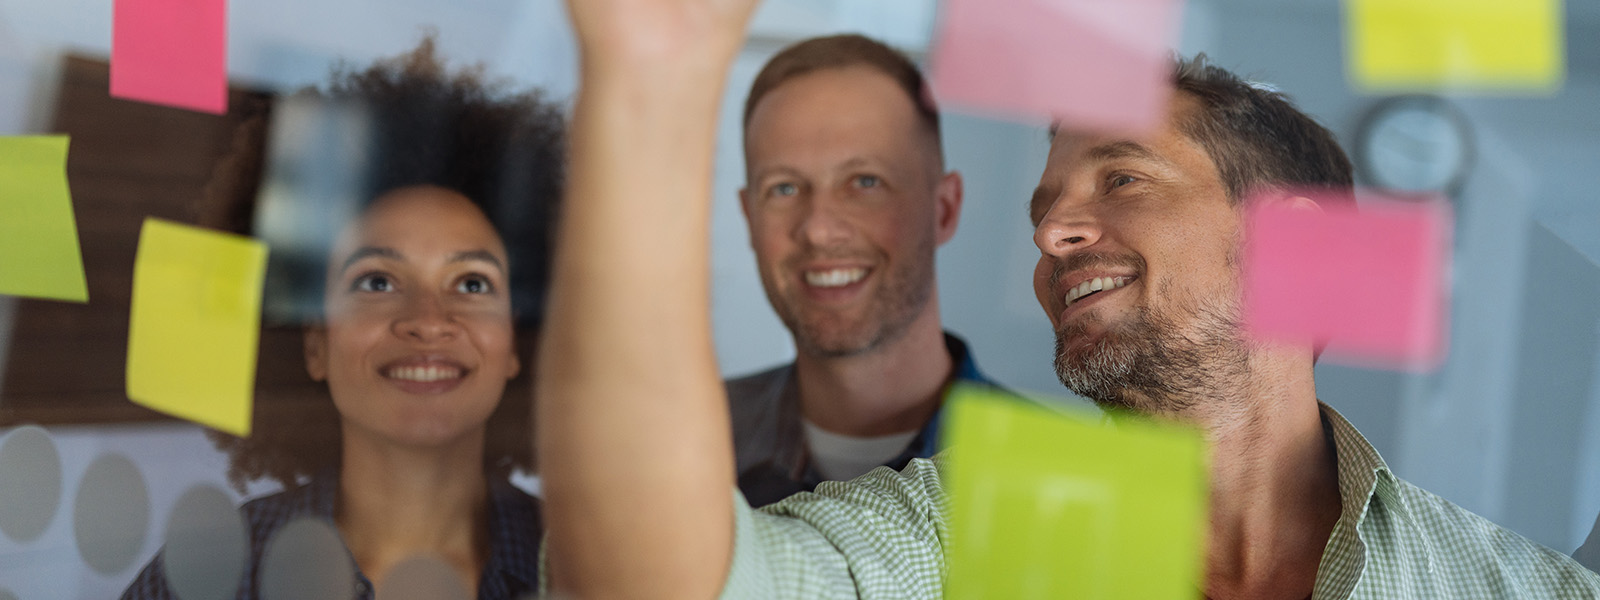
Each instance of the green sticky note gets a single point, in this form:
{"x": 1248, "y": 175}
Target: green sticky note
{"x": 1480, "y": 45}
{"x": 1047, "y": 505}
{"x": 196, "y": 320}
{"x": 39, "y": 254}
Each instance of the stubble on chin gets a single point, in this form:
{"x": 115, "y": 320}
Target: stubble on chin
{"x": 1147, "y": 364}
{"x": 902, "y": 296}
{"x": 888, "y": 317}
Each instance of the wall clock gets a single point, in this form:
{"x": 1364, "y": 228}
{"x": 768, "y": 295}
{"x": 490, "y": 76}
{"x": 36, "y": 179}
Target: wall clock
{"x": 1413, "y": 145}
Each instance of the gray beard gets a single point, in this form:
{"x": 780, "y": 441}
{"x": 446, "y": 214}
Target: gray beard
{"x": 1149, "y": 366}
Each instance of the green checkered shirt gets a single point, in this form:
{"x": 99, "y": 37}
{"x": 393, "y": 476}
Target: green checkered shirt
{"x": 882, "y": 535}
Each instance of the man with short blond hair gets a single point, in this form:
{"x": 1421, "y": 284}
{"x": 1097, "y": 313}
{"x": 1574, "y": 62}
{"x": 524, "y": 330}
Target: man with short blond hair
{"x": 847, "y": 199}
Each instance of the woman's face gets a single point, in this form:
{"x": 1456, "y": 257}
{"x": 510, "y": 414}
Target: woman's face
{"x": 418, "y": 342}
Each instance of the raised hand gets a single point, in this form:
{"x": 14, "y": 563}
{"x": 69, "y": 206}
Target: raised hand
{"x": 632, "y": 427}
{"x": 659, "y": 28}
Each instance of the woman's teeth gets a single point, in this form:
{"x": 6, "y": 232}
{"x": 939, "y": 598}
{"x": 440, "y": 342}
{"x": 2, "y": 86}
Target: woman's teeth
{"x": 835, "y": 277}
{"x": 423, "y": 374}
{"x": 1095, "y": 285}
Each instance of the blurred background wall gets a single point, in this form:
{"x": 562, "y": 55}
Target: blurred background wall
{"x": 1509, "y": 427}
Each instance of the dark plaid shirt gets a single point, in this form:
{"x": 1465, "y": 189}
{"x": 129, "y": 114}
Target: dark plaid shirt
{"x": 514, "y": 533}
{"x": 769, "y": 441}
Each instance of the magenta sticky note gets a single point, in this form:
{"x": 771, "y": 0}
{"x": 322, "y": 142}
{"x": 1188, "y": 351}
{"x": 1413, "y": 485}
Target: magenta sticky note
{"x": 1370, "y": 282}
{"x": 171, "y": 52}
{"x": 1101, "y": 65}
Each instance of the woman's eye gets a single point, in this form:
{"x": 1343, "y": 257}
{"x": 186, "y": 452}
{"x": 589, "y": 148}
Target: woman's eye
{"x": 475, "y": 285}
{"x": 867, "y": 181}
{"x": 373, "y": 282}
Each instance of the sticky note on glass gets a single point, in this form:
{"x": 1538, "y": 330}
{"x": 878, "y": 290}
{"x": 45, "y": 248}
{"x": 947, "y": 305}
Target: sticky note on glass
{"x": 1420, "y": 45}
{"x": 196, "y": 319}
{"x": 171, "y": 52}
{"x": 1092, "y": 64}
{"x": 1045, "y": 505}
{"x": 39, "y": 254}
{"x": 1371, "y": 284}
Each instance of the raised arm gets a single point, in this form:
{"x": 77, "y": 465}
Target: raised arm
{"x": 633, "y": 436}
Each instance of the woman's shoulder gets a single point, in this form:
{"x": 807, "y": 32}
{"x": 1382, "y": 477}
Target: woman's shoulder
{"x": 515, "y": 532}
{"x": 265, "y": 514}
{"x": 150, "y": 583}
{"x": 513, "y": 509}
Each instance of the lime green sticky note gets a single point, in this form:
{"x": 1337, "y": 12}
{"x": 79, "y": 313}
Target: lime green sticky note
{"x": 1047, "y": 505}
{"x": 196, "y": 319}
{"x": 39, "y": 254}
{"x": 1478, "y": 45}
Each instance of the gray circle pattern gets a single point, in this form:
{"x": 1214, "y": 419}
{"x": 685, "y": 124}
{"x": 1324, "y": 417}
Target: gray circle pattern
{"x": 204, "y": 554}
{"x": 30, "y": 483}
{"x": 306, "y": 560}
{"x": 111, "y": 514}
{"x": 422, "y": 578}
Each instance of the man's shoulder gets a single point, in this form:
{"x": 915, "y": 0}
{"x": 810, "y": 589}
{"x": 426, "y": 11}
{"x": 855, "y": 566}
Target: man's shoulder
{"x": 265, "y": 515}
{"x": 881, "y": 535}
{"x": 1473, "y": 554}
{"x": 754, "y": 408}
{"x": 912, "y": 495}
{"x": 756, "y": 395}
{"x": 903, "y": 512}
{"x": 752, "y": 384}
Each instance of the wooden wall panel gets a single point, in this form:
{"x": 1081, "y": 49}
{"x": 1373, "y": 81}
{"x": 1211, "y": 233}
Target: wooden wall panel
{"x": 128, "y": 160}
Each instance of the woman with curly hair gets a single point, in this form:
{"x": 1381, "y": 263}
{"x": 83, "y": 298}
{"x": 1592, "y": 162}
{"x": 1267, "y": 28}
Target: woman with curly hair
{"x": 422, "y": 295}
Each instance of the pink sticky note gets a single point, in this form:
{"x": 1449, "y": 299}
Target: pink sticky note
{"x": 1370, "y": 283}
{"x": 171, "y": 52}
{"x": 1100, "y": 65}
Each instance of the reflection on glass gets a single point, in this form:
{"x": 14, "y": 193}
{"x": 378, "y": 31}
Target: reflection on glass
{"x": 408, "y": 208}
{"x": 30, "y": 483}
{"x": 111, "y": 514}
{"x": 205, "y": 545}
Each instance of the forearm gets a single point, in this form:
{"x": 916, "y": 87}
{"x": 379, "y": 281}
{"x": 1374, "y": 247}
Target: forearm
{"x": 633, "y": 433}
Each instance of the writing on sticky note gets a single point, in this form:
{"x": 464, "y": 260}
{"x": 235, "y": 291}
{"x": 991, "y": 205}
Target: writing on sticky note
{"x": 196, "y": 317}
{"x": 39, "y": 252}
{"x": 171, "y": 52}
{"x": 1369, "y": 283}
{"x": 1048, "y": 505}
{"x": 1091, "y": 64}
{"x": 1420, "y": 45}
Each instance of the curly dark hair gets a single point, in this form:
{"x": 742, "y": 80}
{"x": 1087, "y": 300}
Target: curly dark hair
{"x": 426, "y": 125}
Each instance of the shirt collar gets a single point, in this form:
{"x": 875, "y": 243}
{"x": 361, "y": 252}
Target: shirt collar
{"x": 965, "y": 371}
{"x": 1364, "y": 480}
{"x": 1362, "y": 472}
{"x": 790, "y": 453}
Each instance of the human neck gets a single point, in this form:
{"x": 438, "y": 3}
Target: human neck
{"x": 1275, "y": 487}
{"x": 892, "y": 389}
{"x": 397, "y": 503}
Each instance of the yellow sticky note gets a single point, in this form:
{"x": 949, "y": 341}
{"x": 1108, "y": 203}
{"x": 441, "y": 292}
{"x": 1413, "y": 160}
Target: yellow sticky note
{"x": 39, "y": 254}
{"x": 1046, "y": 505}
{"x": 1478, "y": 45}
{"x": 196, "y": 321}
